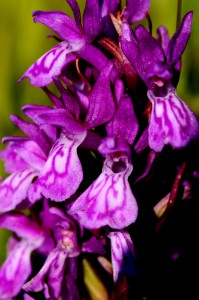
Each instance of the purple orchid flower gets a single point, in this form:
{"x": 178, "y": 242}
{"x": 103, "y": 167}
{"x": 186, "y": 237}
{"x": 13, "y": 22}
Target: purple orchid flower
{"x": 109, "y": 199}
{"x": 171, "y": 121}
{"x": 58, "y": 239}
{"x": 61, "y": 263}
{"x": 75, "y": 37}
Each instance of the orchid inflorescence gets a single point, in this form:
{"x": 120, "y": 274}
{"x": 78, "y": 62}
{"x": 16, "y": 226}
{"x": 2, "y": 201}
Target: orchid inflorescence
{"x": 74, "y": 196}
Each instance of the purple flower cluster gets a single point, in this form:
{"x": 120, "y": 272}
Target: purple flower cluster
{"x": 70, "y": 189}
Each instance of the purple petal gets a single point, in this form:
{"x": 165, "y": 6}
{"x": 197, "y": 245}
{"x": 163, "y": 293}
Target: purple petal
{"x": 50, "y": 276}
{"x": 76, "y": 11}
{"x": 13, "y": 162}
{"x": 179, "y": 40}
{"x": 101, "y": 102}
{"x": 22, "y": 226}
{"x": 13, "y": 190}
{"x": 33, "y": 131}
{"x": 71, "y": 104}
{"x": 124, "y": 123}
{"x": 31, "y": 110}
{"x": 92, "y": 18}
{"x": 109, "y": 200}
{"x": 109, "y": 6}
{"x": 62, "y": 118}
{"x": 62, "y": 173}
{"x": 163, "y": 37}
{"x": 31, "y": 153}
{"x": 143, "y": 52}
{"x": 122, "y": 251}
{"x": 60, "y": 23}
{"x": 136, "y": 10}
{"x": 129, "y": 47}
{"x": 41, "y": 73}
{"x": 171, "y": 122}
{"x": 150, "y": 50}
{"x": 15, "y": 270}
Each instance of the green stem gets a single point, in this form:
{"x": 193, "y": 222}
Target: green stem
{"x": 179, "y": 9}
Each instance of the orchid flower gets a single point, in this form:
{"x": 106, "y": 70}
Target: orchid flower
{"x": 171, "y": 121}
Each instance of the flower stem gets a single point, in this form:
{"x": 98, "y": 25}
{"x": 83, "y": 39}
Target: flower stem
{"x": 179, "y": 9}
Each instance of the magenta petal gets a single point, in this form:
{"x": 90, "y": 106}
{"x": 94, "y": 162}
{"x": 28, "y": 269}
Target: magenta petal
{"x": 171, "y": 122}
{"x": 163, "y": 37}
{"x": 13, "y": 190}
{"x": 136, "y": 10}
{"x": 15, "y": 270}
{"x": 150, "y": 51}
{"x": 124, "y": 123}
{"x": 101, "y": 100}
{"x": 62, "y": 173}
{"x": 31, "y": 110}
{"x": 179, "y": 40}
{"x": 54, "y": 267}
{"x": 62, "y": 118}
{"x": 12, "y": 161}
{"x": 33, "y": 131}
{"x": 31, "y": 153}
{"x": 76, "y": 11}
{"x": 41, "y": 73}
{"x": 109, "y": 200}
{"x": 21, "y": 225}
{"x": 92, "y": 18}
{"x": 61, "y": 23}
{"x": 121, "y": 249}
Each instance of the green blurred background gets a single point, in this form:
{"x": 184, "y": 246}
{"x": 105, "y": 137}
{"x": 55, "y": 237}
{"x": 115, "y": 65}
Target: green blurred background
{"x": 23, "y": 41}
